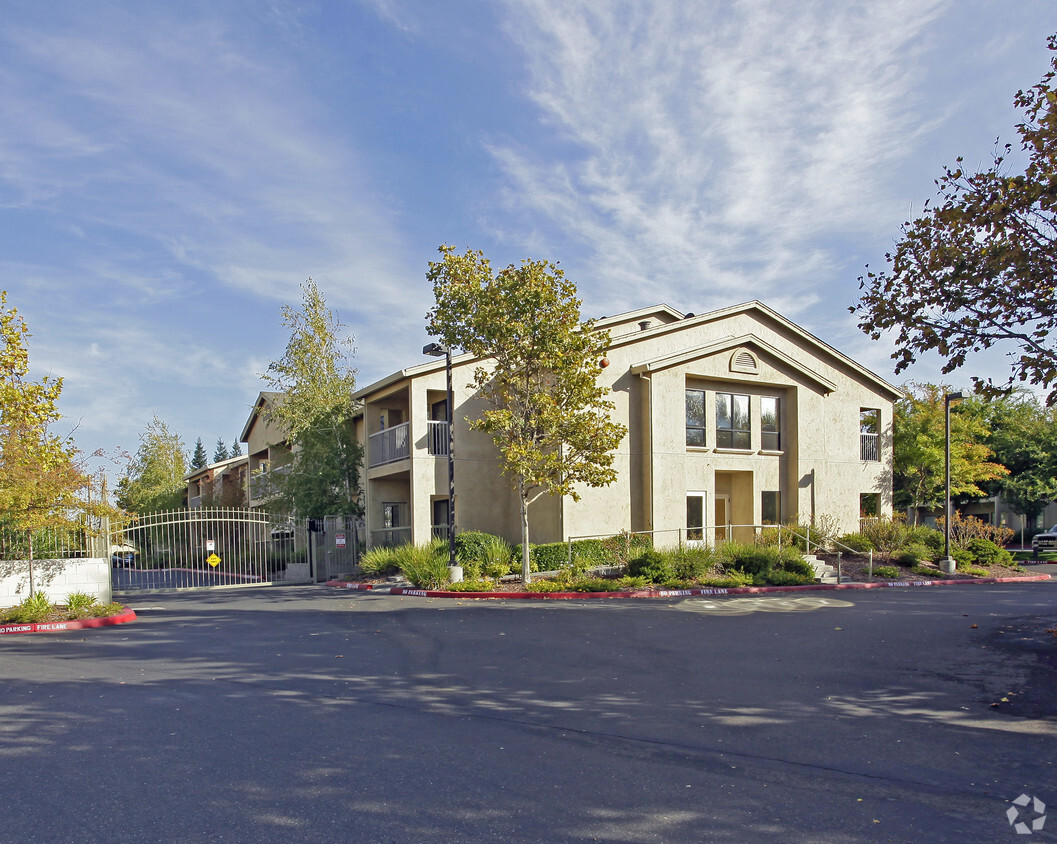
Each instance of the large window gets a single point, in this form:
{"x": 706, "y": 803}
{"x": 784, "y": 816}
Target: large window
{"x": 695, "y": 417}
{"x": 732, "y": 421}
{"x": 770, "y": 436}
{"x": 695, "y": 516}
{"x": 869, "y": 434}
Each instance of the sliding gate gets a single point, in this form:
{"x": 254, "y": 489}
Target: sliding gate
{"x": 211, "y": 546}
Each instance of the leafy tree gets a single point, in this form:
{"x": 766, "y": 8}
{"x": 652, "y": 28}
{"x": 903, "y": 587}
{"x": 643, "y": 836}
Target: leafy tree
{"x": 221, "y": 451}
{"x": 548, "y": 416}
{"x": 317, "y": 381}
{"x": 980, "y": 267}
{"x": 1024, "y": 440}
{"x": 919, "y": 449}
{"x": 154, "y": 478}
{"x": 41, "y": 480}
{"x": 199, "y": 460}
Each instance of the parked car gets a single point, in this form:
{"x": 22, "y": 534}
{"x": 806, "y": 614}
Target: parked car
{"x": 1045, "y": 541}
{"x": 122, "y": 558}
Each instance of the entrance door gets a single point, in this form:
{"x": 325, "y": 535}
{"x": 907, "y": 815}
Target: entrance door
{"x": 722, "y": 513}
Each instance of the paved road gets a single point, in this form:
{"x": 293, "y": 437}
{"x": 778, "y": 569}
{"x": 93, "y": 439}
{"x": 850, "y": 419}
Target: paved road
{"x": 312, "y": 714}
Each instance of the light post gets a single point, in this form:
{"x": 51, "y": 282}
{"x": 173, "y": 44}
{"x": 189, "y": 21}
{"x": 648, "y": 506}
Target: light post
{"x": 439, "y": 350}
{"x": 949, "y": 563}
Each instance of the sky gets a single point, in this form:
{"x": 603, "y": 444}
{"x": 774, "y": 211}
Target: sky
{"x": 171, "y": 173}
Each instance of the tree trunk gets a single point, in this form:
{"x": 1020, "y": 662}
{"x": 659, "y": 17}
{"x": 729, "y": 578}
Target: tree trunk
{"x": 526, "y": 573}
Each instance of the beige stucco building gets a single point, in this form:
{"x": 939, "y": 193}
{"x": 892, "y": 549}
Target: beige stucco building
{"x": 736, "y": 417}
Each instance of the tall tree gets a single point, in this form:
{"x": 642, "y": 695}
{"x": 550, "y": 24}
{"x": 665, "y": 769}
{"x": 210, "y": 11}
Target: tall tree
{"x": 236, "y": 448}
{"x": 154, "y": 478}
{"x": 317, "y": 380}
{"x": 41, "y": 480}
{"x": 547, "y": 414}
{"x": 919, "y": 449}
{"x": 199, "y": 460}
{"x": 221, "y": 451}
{"x": 1024, "y": 439}
{"x": 979, "y": 268}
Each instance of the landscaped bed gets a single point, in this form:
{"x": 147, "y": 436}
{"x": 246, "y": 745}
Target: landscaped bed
{"x": 37, "y": 613}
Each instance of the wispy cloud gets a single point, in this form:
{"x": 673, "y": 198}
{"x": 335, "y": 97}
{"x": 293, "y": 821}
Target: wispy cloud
{"x": 715, "y": 145}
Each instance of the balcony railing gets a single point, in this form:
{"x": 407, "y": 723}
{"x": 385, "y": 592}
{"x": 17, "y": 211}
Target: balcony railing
{"x": 437, "y": 439}
{"x": 868, "y": 447}
{"x": 390, "y": 537}
{"x": 389, "y": 445}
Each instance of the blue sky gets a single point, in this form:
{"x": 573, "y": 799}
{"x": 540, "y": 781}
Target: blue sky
{"x": 171, "y": 172}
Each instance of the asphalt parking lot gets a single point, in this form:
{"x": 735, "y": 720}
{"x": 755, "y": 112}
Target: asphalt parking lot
{"x": 274, "y": 714}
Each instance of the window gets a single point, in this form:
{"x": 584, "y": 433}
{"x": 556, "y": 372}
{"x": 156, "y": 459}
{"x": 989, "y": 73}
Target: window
{"x": 869, "y": 434}
{"x": 695, "y": 417}
{"x": 769, "y": 505}
{"x": 391, "y": 516}
{"x": 770, "y": 438}
{"x": 695, "y": 516}
{"x": 732, "y": 421}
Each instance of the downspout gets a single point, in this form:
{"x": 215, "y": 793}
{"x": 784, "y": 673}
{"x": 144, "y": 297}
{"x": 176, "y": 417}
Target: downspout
{"x": 647, "y": 450}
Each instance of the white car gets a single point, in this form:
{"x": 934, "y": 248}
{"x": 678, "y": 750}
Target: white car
{"x": 1046, "y": 541}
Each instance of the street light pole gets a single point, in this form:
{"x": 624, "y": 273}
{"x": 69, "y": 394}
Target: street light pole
{"x": 949, "y": 563}
{"x": 436, "y": 350}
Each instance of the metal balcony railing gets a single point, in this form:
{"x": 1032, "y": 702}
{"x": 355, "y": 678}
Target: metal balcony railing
{"x": 389, "y": 445}
{"x": 437, "y": 439}
{"x": 869, "y": 447}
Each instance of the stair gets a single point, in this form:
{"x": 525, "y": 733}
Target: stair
{"x": 824, "y": 572}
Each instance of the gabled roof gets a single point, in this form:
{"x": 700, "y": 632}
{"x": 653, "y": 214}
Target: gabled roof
{"x": 786, "y": 325}
{"x": 666, "y": 361}
{"x": 263, "y": 397}
{"x": 219, "y": 467}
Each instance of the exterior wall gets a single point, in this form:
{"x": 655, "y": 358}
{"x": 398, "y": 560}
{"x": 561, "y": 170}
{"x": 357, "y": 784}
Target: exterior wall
{"x": 56, "y": 579}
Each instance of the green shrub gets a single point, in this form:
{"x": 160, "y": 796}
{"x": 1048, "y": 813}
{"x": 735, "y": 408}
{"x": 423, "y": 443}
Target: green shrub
{"x": 973, "y": 571}
{"x": 929, "y": 537}
{"x": 691, "y": 564}
{"x": 380, "y": 560}
{"x": 471, "y": 586}
{"x": 423, "y": 565}
{"x": 856, "y": 541}
{"x": 751, "y": 559}
{"x": 80, "y": 602}
{"x": 35, "y": 607}
{"x": 962, "y": 557}
{"x": 886, "y": 571}
{"x": 911, "y": 554}
{"x": 987, "y": 553}
{"x": 779, "y": 577}
{"x": 800, "y": 567}
{"x": 654, "y": 566}
{"x": 925, "y": 571}
{"x": 886, "y": 535}
{"x": 728, "y": 579}
{"x": 620, "y": 549}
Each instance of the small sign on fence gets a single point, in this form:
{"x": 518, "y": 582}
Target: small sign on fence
{"x": 211, "y": 545}
{"x": 339, "y": 540}
{"x": 213, "y": 560}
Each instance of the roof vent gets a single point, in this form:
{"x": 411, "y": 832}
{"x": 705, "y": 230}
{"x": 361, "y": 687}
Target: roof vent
{"x": 644, "y": 324}
{"x": 744, "y": 361}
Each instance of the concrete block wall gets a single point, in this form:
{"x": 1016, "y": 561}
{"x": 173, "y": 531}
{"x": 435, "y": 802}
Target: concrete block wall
{"x": 56, "y": 578}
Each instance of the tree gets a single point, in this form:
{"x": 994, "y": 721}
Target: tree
{"x": 980, "y": 267}
{"x": 1024, "y": 440}
{"x": 547, "y": 414}
{"x": 199, "y": 460}
{"x": 919, "y": 449}
{"x": 40, "y": 478}
{"x": 221, "y": 451}
{"x": 154, "y": 478}
{"x": 236, "y": 448}
{"x": 317, "y": 380}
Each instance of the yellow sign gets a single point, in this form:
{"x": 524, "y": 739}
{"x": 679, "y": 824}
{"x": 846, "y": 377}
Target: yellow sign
{"x": 213, "y": 560}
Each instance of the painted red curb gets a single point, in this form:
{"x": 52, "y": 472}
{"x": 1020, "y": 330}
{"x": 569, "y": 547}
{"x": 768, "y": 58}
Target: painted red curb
{"x": 75, "y": 624}
{"x": 693, "y": 592}
{"x": 344, "y": 584}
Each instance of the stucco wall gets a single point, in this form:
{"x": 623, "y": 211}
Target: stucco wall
{"x": 56, "y": 578}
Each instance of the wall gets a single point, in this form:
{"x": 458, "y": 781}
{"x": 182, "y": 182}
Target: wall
{"x": 55, "y": 578}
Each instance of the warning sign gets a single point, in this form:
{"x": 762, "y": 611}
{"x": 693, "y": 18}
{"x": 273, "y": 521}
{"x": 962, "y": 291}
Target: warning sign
{"x": 213, "y": 560}
{"x": 211, "y": 545}
{"x": 339, "y": 540}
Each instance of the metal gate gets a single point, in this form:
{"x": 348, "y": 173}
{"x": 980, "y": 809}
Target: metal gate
{"x": 209, "y": 547}
{"x": 335, "y": 545}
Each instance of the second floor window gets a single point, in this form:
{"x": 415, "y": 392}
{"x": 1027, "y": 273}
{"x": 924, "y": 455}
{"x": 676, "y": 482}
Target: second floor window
{"x": 869, "y": 434}
{"x": 695, "y": 417}
{"x": 732, "y": 421}
{"x": 770, "y": 431}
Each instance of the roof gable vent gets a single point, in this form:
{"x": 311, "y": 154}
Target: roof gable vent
{"x": 744, "y": 361}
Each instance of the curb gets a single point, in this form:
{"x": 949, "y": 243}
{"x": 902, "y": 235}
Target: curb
{"x": 75, "y": 624}
{"x": 688, "y": 593}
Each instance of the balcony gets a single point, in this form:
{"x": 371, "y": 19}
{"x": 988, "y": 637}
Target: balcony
{"x": 437, "y": 438}
{"x": 389, "y": 445}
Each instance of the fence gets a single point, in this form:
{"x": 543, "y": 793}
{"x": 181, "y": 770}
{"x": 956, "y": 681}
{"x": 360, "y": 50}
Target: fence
{"x": 82, "y": 538}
